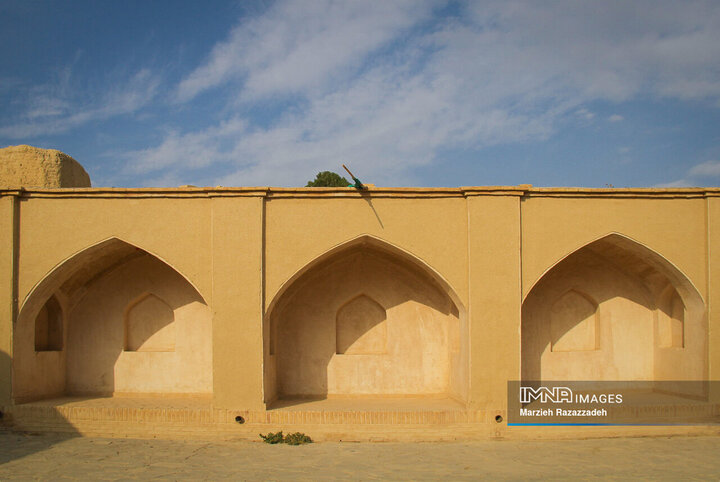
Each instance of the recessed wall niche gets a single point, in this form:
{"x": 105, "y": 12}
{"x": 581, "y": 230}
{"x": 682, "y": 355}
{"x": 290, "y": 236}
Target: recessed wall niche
{"x": 49, "y": 327}
{"x": 361, "y": 327}
{"x": 149, "y": 325}
{"x": 574, "y": 323}
{"x": 671, "y": 321}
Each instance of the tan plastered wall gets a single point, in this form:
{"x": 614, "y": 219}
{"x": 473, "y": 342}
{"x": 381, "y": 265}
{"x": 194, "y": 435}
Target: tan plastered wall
{"x": 6, "y": 297}
{"x": 554, "y": 227}
{"x": 494, "y": 313}
{"x": 174, "y": 230}
{"x": 177, "y": 231}
{"x": 713, "y": 299}
{"x": 240, "y": 250}
{"x": 237, "y": 240}
{"x": 300, "y": 230}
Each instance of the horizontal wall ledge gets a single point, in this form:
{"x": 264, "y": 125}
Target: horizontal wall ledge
{"x": 523, "y": 190}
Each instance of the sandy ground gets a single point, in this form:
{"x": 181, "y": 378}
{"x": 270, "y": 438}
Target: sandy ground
{"x": 47, "y": 457}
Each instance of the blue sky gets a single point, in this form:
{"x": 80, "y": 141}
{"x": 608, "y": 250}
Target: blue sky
{"x": 407, "y": 93}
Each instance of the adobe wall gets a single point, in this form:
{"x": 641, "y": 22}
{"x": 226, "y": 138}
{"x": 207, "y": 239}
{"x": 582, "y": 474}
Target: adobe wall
{"x": 32, "y": 167}
{"x": 246, "y": 253}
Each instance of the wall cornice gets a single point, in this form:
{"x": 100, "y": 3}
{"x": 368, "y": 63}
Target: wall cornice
{"x": 523, "y": 190}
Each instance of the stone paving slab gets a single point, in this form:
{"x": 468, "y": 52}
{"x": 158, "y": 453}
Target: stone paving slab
{"x": 54, "y": 457}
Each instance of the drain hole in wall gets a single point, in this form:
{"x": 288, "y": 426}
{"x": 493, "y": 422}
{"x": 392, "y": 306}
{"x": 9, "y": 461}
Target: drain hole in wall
{"x": 498, "y": 418}
{"x": 239, "y": 419}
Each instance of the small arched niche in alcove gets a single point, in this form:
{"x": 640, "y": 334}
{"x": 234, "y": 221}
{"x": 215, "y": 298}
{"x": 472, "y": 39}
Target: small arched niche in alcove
{"x": 361, "y": 327}
{"x": 49, "y": 327}
{"x": 149, "y": 325}
{"x": 671, "y": 320}
{"x": 574, "y": 323}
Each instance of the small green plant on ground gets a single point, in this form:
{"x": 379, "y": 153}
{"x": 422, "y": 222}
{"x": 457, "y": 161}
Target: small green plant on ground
{"x": 296, "y": 438}
{"x": 273, "y": 438}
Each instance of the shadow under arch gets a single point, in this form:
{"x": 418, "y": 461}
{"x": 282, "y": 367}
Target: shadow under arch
{"x": 654, "y": 259}
{"x": 93, "y": 288}
{"x": 91, "y": 260}
{"x": 636, "y": 290}
{"x": 306, "y": 312}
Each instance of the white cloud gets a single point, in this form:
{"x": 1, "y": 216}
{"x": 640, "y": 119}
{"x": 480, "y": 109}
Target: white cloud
{"x": 298, "y": 45}
{"x": 704, "y": 174}
{"x": 61, "y": 106}
{"x": 189, "y": 151}
{"x": 679, "y": 183}
{"x": 706, "y": 169}
{"x": 385, "y": 122}
{"x": 613, "y": 50}
{"x": 585, "y": 114}
{"x": 380, "y": 89}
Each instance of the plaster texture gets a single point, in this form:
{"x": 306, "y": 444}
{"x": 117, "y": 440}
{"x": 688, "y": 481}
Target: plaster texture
{"x": 27, "y": 166}
{"x": 256, "y": 298}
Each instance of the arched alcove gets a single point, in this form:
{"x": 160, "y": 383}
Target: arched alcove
{"x": 132, "y": 325}
{"x": 614, "y": 310}
{"x": 365, "y": 319}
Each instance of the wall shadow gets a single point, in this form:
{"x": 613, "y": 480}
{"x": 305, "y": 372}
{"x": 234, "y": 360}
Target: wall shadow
{"x": 15, "y": 445}
{"x": 598, "y": 280}
{"x": 365, "y": 195}
{"x": 635, "y": 295}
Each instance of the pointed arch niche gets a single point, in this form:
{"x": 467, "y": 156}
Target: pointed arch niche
{"x": 366, "y": 319}
{"x": 125, "y": 322}
{"x": 614, "y": 310}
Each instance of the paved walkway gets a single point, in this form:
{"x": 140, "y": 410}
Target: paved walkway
{"x": 27, "y": 457}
